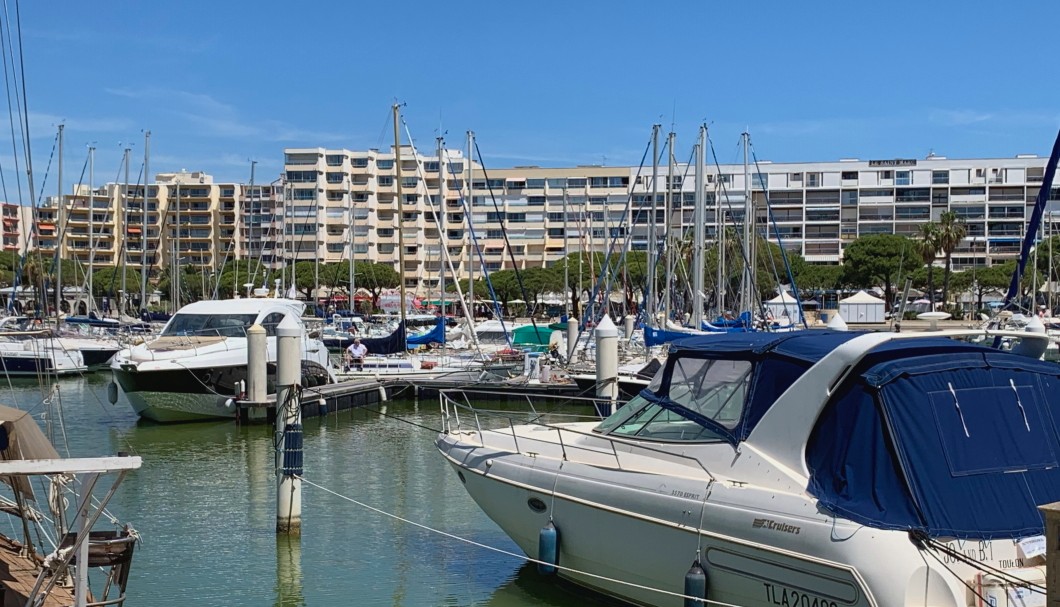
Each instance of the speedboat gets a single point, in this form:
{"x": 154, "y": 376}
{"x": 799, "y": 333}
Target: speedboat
{"x": 812, "y": 468}
{"x": 198, "y": 364}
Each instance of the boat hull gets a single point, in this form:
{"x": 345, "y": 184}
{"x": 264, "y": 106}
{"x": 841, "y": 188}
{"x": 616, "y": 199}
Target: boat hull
{"x": 195, "y": 394}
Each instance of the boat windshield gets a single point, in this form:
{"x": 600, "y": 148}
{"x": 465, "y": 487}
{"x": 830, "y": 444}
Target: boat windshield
{"x": 225, "y": 325}
{"x": 712, "y": 389}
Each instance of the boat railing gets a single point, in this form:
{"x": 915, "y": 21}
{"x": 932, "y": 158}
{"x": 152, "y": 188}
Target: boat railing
{"x": 622, "y": 452}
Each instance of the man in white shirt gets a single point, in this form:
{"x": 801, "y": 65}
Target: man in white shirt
{"x": 355, "y": 353}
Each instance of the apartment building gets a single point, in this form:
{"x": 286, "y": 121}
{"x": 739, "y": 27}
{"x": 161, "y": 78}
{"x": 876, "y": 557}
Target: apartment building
{"x": 188, "y": 217}
{"x": 329, "y": 204}
{"x": 813, "y": 209}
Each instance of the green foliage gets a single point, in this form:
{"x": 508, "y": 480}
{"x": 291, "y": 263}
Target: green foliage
{"x": 813, "y": 278}
{"x": 876, "y": 259}
{"x": 107, "y": 281}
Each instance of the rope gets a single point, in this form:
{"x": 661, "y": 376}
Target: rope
{"x": 510, "y": 553}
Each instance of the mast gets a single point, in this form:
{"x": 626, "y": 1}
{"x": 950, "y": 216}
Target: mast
{"x": 441, "y": 226}
{"x": 91, "y": 223}
{"x": 719, "y": 239}
{"x": 698, "y": 227}
{"x": 255, "y": 216}
{"x": 470, "y": 239}
{"x": 566, "y": 256}
{"x": 124, "y": 232}
{"x": 653, "y": 230}
{"x": 669, "y": 225}
{"x": 176, "y": 256}
{"x": 352, "y": 225}
{"x": 747, "y": 293}
{"x": 143, "y": 222}
{"x": 401, "y": 230}
{"x": 59, "y": 233}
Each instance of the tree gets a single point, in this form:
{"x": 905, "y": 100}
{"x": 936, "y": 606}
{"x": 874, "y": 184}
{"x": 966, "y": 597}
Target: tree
{"x": 928, "y": 248}
{"x": 876, "y": 259}
{"x": 994, "y": 278}
{"x": 106, "y": 281}
{"x": 814, "y": 278}
{"x": 950, "y": 232}
{"x": 375, "y": 277}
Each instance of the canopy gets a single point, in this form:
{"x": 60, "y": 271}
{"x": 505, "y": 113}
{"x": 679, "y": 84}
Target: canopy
{"x": 956, "y": 444}
{"x": 435, "y": 335}
{"x": 861, "y": 297}
{"x": 21, "y": 438}
{"x": 784, "y": 297}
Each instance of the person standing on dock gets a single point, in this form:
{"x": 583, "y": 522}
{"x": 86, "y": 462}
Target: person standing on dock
{"x": 355, "y": 354}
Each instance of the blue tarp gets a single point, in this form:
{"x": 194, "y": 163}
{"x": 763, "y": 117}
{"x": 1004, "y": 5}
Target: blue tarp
{"x": 391, "y": 344}
{"x": 657, "y": 337}
{"x": 435, "y": 335}
{"x": 959, "y": 444}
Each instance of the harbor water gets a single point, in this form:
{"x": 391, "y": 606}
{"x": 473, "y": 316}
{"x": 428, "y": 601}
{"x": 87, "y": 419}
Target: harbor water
{"x": 204, "y": 502}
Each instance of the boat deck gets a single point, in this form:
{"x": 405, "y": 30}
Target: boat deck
{"x": 18, "y": 576}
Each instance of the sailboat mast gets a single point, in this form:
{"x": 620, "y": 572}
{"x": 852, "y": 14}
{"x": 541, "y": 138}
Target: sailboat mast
{"x": 653, "y": 235}
{"x": 669, "y": 224}
{"x": 124, "y": 232}
{"x": 699, "y": 225}
{"x": 352, "y": 225}
{"x": 176, "y": 256}
{"x": 143, "y": 222}
{"x": 255, "y": 215}
{"x": 91, "y": 223}
{"x": 747, "y": 294}
{"x": 59, "y": 232}
{"x": 566, "y": 257}
{"x": 470, "y": 239}
{"x": 441, "y": 225}
{"x": 400, "y": 202}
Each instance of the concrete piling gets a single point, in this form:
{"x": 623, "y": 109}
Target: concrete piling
{"x": 606, "y": 335}
{"x": 288, "y": 428}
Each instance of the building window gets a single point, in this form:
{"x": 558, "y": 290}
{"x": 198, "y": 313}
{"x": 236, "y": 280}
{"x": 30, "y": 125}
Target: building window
{"x": 902, "y": 178}
{"x": 850, "y": 175}
{"x": 359, "y": 163}
{"x": 940, "y": 177}
{"x": 334, "y": 160}
{"x": 385, "y": 181}
{"x": 385, "y": 164}
{"x": 795, "y": 177}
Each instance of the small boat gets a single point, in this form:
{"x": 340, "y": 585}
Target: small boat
{"x": 198, "y": 364}
{"x": 805, "y": 468}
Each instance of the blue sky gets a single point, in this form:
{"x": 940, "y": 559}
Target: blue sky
{"x": 548, "y": 83}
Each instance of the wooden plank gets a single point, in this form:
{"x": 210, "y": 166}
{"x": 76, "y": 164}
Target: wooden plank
{"x": 75, "y": 465}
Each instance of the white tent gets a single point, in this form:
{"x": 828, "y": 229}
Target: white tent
{"x": 783, "y": 305}
{"x": 861, "y": 308}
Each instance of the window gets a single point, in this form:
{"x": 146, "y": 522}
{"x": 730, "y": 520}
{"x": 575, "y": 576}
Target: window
{"x": 535, "y": 184}
{"x": 795, "y": 177}
{"x": 226, "y": 325}
{"x": 334, "y": 160}
{"x": 384, "y": 164}
{"x": 359, "y": 163}
{"x": 850, "y": 175}
{"x": 903, "y": 178}
{"x": 335, "y": 177}
{"x": 940, "y": 177}
{"x": 557, "y": 183}
{"x": 886, "y": 174}
{"x": 270, "y": 322}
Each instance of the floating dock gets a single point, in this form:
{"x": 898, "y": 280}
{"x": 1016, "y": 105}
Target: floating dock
{"x": 319, "y": 400}
{"x": 488, "y": 389}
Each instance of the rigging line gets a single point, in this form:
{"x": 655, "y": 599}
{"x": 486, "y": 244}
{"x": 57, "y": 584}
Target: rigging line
{"x": 605, "y": 266}
{"x": 776, "y": 230}
{"x": 739, "y": 237}
{"x": 25, "y": 102}
{"x": 7, "y": 51}
{"x": 1001, "y": 573}
{"x": 971, "y": 588}
{"x": 516, "y": 555}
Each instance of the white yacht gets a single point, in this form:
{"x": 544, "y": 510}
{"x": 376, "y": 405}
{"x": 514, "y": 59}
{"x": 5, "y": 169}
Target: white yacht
{"x": 811, "y": 468}
{"x": 199, "y": 362}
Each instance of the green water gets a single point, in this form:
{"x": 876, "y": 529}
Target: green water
{"x": 204, "y": 502}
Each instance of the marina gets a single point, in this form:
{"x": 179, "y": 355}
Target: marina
{"x": 217, "y": 528}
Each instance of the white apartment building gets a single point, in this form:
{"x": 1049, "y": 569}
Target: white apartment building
{"x": 329, "y": 204}
{"x": 817, "y": 207}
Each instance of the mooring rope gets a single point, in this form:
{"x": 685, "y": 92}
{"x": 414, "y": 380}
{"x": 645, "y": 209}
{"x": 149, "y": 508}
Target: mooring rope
{"x": 510, "y": 553}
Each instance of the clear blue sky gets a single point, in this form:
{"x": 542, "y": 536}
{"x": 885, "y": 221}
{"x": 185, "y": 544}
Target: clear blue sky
{"x": 550, "y": 83}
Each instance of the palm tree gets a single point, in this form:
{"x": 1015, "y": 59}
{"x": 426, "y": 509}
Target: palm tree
{"x": 928, "y": 246}
{"x": 950, "y": 232}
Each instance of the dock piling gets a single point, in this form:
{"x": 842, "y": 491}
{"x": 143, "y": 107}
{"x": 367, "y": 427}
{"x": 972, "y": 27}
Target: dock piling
{"x": 288, "y": 428}
{"x": 572, "y": 338}
{"x": 607, "y": 360}
{"x": 257, "y": 345}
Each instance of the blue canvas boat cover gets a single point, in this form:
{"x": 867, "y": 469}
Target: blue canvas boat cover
{"x": 391, "y": 344}
{"x": 435, "y": 335}
{"x": 959, "y": 442}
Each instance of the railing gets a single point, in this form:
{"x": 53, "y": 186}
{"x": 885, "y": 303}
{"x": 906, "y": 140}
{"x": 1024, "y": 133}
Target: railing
{"x": 622, "y": 452}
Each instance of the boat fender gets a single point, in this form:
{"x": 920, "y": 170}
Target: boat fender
{"x": 322, "y": 406}
{"x": 112, "y": 393}
{"x": 695, "y": 585}
{"x": 548, "y": 549}
{"x": 292, "y": 450}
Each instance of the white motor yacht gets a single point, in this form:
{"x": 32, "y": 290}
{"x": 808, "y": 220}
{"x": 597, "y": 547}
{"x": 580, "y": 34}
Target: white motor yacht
{"x": 812, "y": 468}
{"x": 199, "y": 362}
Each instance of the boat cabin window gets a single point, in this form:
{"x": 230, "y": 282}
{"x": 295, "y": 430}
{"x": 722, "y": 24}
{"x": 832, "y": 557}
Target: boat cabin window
{"x": 225, "y": 325}
{"x": 270, "y": 322}
{"x": 645, "y": 420}
{"x": 714, "y": 389}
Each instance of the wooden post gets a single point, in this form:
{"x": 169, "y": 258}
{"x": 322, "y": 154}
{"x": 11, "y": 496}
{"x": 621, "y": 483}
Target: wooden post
{"x": 1052, "y": 553}
{"x": 288, "y": 428}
